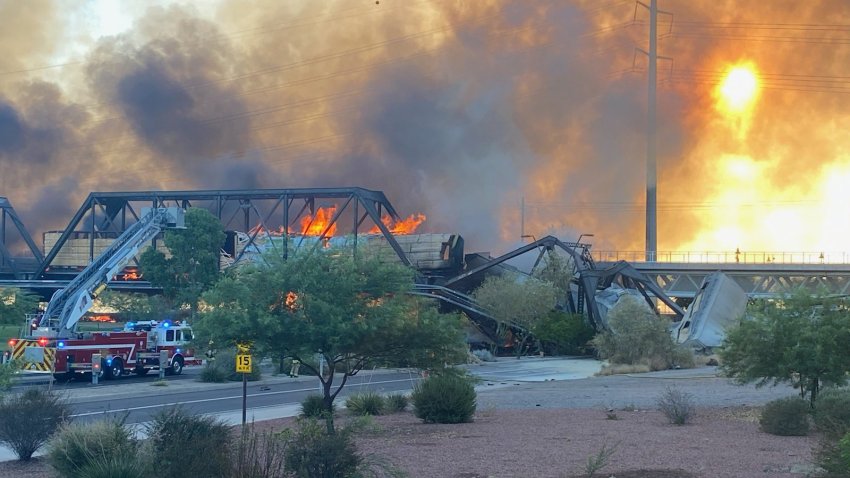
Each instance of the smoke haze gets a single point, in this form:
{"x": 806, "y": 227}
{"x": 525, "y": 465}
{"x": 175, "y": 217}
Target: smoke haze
{"x": 458, "y": 110}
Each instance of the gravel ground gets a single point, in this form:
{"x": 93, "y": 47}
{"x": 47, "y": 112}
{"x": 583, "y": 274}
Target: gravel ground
{"x": 549, "y": 429}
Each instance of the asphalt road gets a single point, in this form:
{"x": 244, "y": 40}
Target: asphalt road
{"x": 140, "y": 398}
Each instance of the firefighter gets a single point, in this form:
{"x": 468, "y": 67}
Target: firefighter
{"x": 210, "y": 351}
{"x": 296, "y": 364}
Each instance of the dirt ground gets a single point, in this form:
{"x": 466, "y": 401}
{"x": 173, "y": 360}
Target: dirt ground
{"x": 720, "y": 443}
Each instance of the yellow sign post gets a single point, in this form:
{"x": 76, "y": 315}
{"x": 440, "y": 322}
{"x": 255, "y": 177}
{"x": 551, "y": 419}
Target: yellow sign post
{"x": 243, "y": 366}
{"x": 243, "y": 363}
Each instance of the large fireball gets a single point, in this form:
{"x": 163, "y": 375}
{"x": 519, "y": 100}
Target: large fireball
{"x": 738, "y": 89}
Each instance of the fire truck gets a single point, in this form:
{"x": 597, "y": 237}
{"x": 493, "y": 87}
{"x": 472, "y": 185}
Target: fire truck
{"x": 53, "y": 344}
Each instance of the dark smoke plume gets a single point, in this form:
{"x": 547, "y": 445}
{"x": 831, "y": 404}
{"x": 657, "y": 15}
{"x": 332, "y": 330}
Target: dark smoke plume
{"x": 454, "y": 109}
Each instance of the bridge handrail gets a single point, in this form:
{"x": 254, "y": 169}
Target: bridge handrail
{"x": 726, "y": 257}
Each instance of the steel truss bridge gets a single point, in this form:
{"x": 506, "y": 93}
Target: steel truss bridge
{"x": 105, "y": 215}
{"x": 682, "y": 279}
{"x": 257, "y": 212}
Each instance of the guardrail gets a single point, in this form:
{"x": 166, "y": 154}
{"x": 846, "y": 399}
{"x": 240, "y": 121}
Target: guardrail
{"x": 730, "y": 257}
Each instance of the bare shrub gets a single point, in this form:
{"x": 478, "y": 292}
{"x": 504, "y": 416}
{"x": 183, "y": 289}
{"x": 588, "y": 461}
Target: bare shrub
{"x": 599, "y": 460}
{"x": 677, "y": 406}
{"x": 28, "y": 419}
{"x": 260, "y": 454}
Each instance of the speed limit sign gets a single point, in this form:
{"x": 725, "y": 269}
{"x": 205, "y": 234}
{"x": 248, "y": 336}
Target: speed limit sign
{"x": 243, "y": 363}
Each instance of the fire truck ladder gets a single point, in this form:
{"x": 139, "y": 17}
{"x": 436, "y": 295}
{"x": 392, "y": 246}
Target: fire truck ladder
{"x": 68, "y": 305}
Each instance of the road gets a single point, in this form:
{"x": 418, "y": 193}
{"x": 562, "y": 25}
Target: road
{"x": 140, "y": 398}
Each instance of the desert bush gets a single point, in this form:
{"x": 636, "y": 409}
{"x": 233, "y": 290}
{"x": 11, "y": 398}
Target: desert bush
{"x": 7, "y": 373}
{"x": 259, "y": 455}
{"x": 444, "y": 398}
{"x": 213, "y": 373}
{"x": 787, "y": 416}
{"x": 396, "y": 402}
{"x": 368, "y": 403}
{"x": 28, "y": 419}
{"x": 314, "y": 453}
{"x": 225, "y": 364}
{"x": 832, "y": 412}
{"x": 599, "y": 460}
{"x": 677, "y": 406}
{"x": 638, "y": 336}
{"x": 92, "y": 448}
{"x": 183, "y": 444}
{"x": 313, "y": 406}
{"x": 564, "y": 334}
{"x": 113, "y": 467}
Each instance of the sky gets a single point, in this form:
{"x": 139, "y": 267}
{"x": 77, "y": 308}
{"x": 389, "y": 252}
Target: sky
{"x": 459, "y": 110}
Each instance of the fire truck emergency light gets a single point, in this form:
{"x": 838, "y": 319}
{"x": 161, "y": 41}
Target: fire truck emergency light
{"x": 60, "y": 344}
{"x": 12, "y": 342}
{"x": 42, "y": 341}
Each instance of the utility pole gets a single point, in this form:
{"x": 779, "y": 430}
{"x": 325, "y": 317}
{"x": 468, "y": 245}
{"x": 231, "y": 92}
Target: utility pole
{"x": 651, "y": 126}
{"x": 651, "y": 175}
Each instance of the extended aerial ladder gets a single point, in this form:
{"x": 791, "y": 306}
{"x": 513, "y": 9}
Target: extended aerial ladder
{"x": 68, "y": 305}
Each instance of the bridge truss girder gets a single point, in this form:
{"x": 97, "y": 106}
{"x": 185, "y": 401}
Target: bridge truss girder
{"x": 756, "y": 284}
{"x": 110, "y": 213}
{"x": 8, "y": 263}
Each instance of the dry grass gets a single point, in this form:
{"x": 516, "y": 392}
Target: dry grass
{"x": 622, "y": 369}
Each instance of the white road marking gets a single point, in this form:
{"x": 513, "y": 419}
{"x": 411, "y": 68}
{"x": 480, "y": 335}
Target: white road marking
{"x": 146, "y": 407}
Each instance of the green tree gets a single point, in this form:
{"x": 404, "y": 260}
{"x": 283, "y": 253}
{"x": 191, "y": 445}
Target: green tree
{"x": 518, "y": 302}
{"x": 353, "y": 311}
{"x": 193, "y": 265}
{"x": 15, "y": 304}
{"x": 800, "y": 339}
{"x": 558, "y": 270}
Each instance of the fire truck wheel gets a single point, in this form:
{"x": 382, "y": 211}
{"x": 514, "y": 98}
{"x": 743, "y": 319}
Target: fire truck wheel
{"x": 177, "y": 366}
{"x": 63, "y": 377}
{"x": 115, "y": 370}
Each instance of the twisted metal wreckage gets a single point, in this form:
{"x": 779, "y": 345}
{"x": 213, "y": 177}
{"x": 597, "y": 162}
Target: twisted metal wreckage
{"x": 446, "y": 273}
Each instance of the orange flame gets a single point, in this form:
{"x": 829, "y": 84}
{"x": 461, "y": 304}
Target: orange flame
{"x": 316, "y": 225}
{"x": 405, "y": 226}
{"x": 101, "y": 318}
{"x": 291, "y": 298}
{"x": 130, "y": 273}
{"x": 310, "y": 225}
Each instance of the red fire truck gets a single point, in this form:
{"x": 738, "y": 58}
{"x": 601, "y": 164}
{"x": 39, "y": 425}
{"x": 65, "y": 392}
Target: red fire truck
{"x": 136, "y": 349}
{"x": 54, "y": 345}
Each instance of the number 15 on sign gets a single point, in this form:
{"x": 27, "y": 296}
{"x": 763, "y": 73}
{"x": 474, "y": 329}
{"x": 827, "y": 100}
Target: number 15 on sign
{"x": 243, "y": 363}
